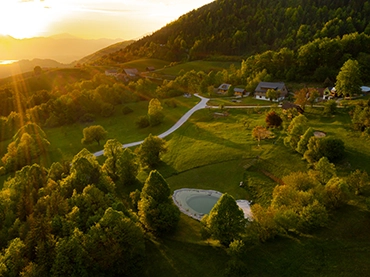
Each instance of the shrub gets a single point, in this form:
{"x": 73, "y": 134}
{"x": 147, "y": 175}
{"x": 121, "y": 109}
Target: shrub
{"x": 88, "y": 117}
{"x": 127, "y": 110}
{"x": 142, "y": 122}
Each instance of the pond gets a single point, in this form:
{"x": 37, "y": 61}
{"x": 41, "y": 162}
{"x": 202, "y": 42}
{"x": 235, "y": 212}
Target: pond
{"x": 197, "y": 202}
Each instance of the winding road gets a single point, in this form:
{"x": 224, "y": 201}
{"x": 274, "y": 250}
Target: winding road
{"x": 201, "y": 105}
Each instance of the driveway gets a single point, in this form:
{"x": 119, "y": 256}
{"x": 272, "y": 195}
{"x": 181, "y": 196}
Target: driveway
{"x": 201, "y": 105}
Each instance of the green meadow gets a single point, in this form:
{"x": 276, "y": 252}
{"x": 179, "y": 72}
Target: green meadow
{"x": 210, "y": 152}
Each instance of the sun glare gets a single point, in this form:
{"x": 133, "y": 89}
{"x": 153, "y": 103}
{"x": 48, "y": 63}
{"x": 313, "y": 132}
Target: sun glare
{"x": 24, "y": 19}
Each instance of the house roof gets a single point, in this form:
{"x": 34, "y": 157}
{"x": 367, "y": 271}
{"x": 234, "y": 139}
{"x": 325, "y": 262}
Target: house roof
{"x": 111, "y": 71}
{"x": 264, "y": 86}
{"x": 290, "y": 105}
{"x": 224, "y": 86}
{"x": 239, "y": 89}
{"x": 131, "y": 71}
{"x": 365, "y": 89}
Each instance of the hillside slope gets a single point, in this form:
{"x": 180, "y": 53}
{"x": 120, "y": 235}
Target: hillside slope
{"x": 242, "y": 28}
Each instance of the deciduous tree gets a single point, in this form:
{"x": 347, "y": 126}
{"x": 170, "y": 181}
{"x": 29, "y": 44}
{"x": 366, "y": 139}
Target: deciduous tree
{"x": 93, "y": 133}
{"x": 225, "y": 221}
{"x": 349, "y": 79}
{"x": 157, "y": 211}
{"x": 155, "y": 113}
{"x": 150, "y": 150}
{"x": 260, "y": 133}
{"x": 273, "y": 119}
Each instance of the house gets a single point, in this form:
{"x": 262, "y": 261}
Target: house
{"x": 263, "y": 87}
{"x": 131, "y": 72}
{"x": 223, "y": 89}
{"x": 326, "y": 94}
{"x": 111, "y": 72}
{"x": 240, "y": 92}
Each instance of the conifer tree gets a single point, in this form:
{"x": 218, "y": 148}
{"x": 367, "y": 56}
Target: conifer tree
{"x": 157, "y": 211}
{"x": 225, "y": 221}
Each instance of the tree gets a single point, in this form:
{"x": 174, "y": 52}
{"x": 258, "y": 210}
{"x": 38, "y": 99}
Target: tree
{"x": 296, "y": 129}
{"x": 336, "y": 193}
{"x": 349, "y": 79}
{"x": 324, "y": 171}
{"x": 358, "y": 181}
{"x": 225, "y": 221}
{"x": 157, "y": 212}
{"x": 150, "y": 150}
{"x": 330, "y": 108}
{"x": 332, "y": 148}
{"x": 302, "y": 144}
{"x": 128, "y": 167}
{"x": 113, "y": 150}
{"x": 313, "y": 95}
{"x": 71, "y": 257}
{"x": 93, "y": 133}
{"x": 300, "y": 97}
{"x": 28, "y": 143}
{"x": 273, "y": 94}
{"x": 116, "y": 245}
{"x": 273, "y": 119}
{"x": 259, "y": 133}
{"x": 155, "y": 113}
{"x": 37, "y": 70}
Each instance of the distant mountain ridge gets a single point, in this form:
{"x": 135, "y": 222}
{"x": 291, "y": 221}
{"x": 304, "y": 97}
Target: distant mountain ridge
{"x": 23, "y": 66}
{"x": 63, "y": 48}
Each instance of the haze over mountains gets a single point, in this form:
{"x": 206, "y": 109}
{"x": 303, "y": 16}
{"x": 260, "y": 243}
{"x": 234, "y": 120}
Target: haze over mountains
{"x": 63, "y": 48}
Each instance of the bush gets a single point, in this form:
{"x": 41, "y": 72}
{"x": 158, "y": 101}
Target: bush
{"x": 142, "y": 122}
{"x": 273, "y": 119}
{"x": 107, "y": 110}
{"x": 88, "y": 117}
{"x": 127, "y": 110}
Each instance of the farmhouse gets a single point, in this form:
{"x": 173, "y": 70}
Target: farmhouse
{"x": 263, "y": 87}
{"x": 223, "y": 88}
{"x": 131, "y": 72}
{"x": 111, "y": 72}
{"x": 240, "y": 92}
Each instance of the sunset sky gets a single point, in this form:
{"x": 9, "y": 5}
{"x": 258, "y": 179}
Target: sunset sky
{"x": 126, "y": 19}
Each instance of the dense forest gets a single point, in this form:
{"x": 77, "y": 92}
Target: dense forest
{"x": 242, "y": 28}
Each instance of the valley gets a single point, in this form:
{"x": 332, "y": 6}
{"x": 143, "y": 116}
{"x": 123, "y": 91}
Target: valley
{"x": 273, "y": 110}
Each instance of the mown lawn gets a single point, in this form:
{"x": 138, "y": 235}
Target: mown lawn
{"x": 66, "y": 141}
{"x": 211, "y": 153}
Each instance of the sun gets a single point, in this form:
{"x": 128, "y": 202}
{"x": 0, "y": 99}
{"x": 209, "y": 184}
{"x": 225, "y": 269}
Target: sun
{"x": 24, "y": 19}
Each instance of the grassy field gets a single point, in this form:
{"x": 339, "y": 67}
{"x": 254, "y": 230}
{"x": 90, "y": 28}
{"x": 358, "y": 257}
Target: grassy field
{"x": 205, "y": 66}
{"x": 142, "y": 64}
{"x": 217, "y": 153}
{"x": 209, "y": 153}
{"x": 66, "y": 141}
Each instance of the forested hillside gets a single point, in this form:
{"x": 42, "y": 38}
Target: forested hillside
{"x": 241, "y": 28}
